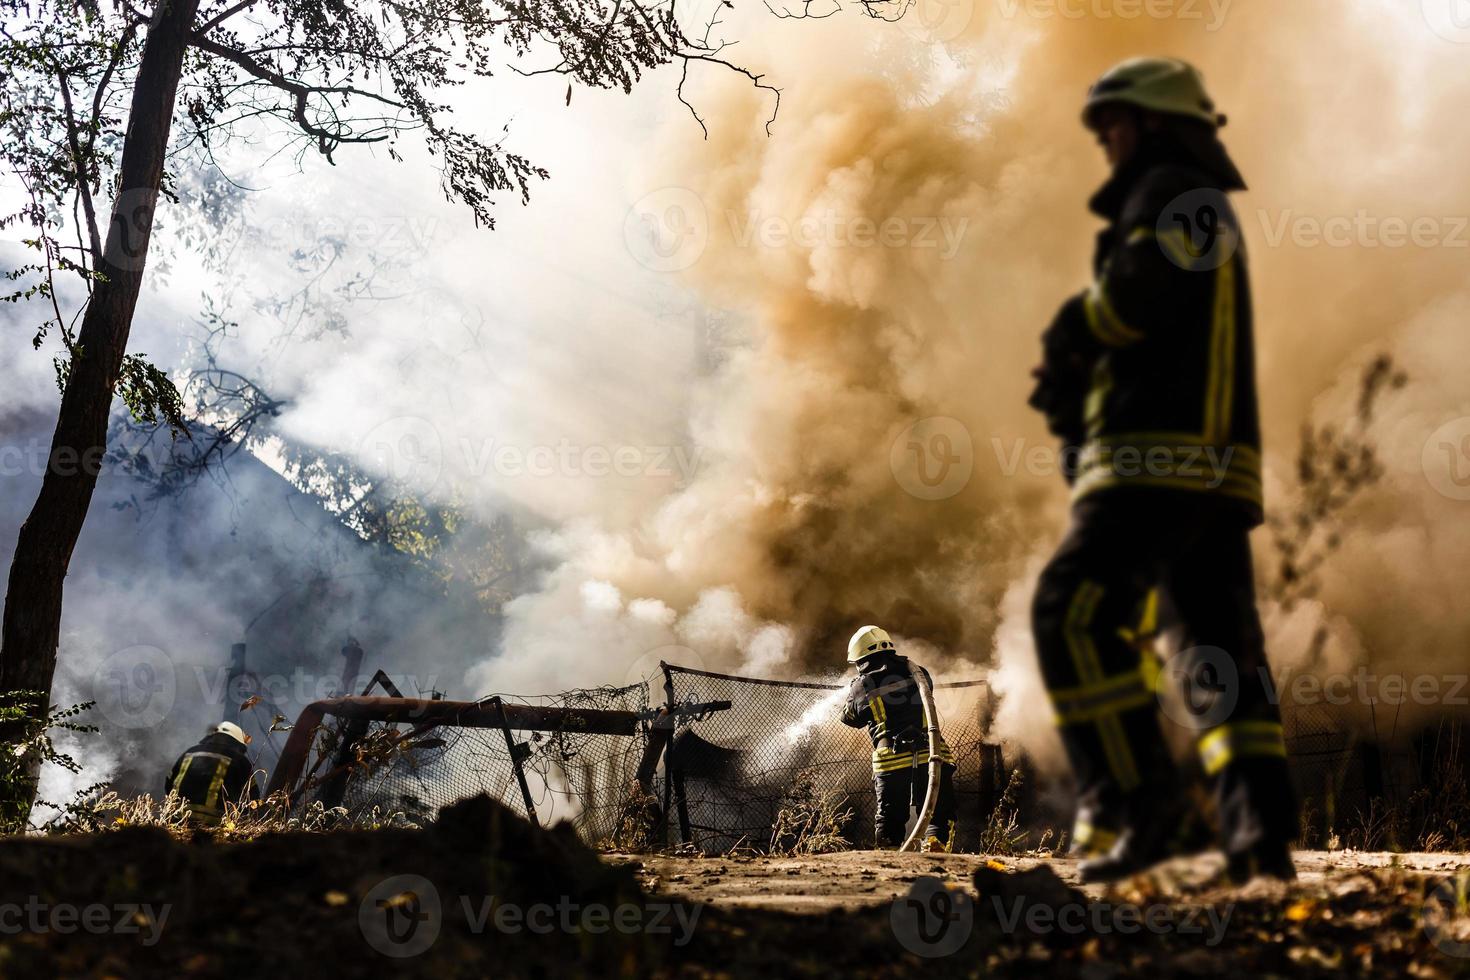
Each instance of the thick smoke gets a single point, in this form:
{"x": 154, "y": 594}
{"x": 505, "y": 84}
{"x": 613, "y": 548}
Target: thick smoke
{"x": 806, "y": 519}
{"x": 758, "y": 323}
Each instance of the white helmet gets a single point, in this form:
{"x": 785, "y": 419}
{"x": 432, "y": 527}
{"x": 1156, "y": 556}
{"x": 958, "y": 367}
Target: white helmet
{"x": 233, "y": 730}
{"x": 868, "y": 641}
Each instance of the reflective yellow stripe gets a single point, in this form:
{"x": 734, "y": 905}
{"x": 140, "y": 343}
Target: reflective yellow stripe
{"x": 880, "y": 716}
{"x": 1219, "y": 392}
{"x": 1089, "y": 671}
{"x": 887, "y": 760}
{"x": 1095, "y": 840}
{"x": 1108, "y": 697}
{"x": 213, "y": 801}
{"x": 1104, "y": 321}
{"x": 214, "y": 795}
{"x": 1174, "y": 460}
{"x": 178, "y": 784}
{"x": 1241, "y": 740}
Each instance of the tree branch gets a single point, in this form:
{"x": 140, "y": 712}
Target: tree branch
{"x": 225, "y": 15}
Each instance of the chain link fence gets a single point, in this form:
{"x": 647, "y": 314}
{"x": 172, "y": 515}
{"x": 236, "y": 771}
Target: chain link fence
{"x": 729, "y": 771}
{"x": 725, "y": 770}
{"x": 417, "y": 770}
{"x": 1331, "y": 769}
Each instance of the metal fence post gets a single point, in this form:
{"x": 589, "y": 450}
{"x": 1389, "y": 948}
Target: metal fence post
{"x": 673, "y": 778}
{"x": 516, "y": 752}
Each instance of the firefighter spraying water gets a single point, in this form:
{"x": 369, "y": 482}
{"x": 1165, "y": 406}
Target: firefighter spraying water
{"x": 912, "y": 765}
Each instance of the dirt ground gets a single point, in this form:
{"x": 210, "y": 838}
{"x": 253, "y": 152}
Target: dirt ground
{"x": 853, "y": 880}
{"x": 483, "y": 893}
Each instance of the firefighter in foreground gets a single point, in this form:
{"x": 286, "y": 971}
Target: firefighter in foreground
{"x": 1150, "y": 373}
{"x": 885, "y": 699}
{"x": 215, "y": 770}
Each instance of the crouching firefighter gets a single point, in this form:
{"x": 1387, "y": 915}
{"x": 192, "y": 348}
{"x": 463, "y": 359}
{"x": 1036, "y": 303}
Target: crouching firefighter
{"x": 1150, "y": 374}
{"x": 215, "y": 770}
{"x": 885, "y": 699}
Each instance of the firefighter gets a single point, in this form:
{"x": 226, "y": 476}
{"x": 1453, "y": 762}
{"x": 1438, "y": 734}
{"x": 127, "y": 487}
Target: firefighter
{"x": 1149, "y": 376}
{"x": 215, "y": 770}
{"x": 884, "y": 698}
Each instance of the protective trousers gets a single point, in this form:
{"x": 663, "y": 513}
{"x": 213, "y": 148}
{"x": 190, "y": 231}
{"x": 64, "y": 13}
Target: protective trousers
{"x": 1095, "y": 607}
{"x": 902, "y": 789}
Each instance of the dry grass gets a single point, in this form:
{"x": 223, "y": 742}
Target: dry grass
{"x": 101, "y": 810}
{"x": 1003, "y": 833}
{"x": 809, "y": 821}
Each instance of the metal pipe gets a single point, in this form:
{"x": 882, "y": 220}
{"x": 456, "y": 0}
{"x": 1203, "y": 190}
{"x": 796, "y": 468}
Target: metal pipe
{"x": 463, "y": 714}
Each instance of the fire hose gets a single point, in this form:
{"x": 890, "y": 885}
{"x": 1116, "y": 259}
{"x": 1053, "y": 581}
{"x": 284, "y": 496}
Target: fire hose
{"x": 931, "y": 795}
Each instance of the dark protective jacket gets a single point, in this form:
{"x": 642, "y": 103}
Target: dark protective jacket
{"x": 1151, "y": 371}
{"x": 215, "y": 770}
{"x": 884, "y": 699}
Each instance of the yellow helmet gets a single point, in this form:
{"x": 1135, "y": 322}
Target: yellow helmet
{"x": 1165, "y": 85}
{"x": 867, "y": 642}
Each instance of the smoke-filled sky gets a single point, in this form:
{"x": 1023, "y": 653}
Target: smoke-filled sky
{"x": 701, "y": 362}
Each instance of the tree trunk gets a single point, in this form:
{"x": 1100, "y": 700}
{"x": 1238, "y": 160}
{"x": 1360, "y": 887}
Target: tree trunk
{"x": 43, "y": 551}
